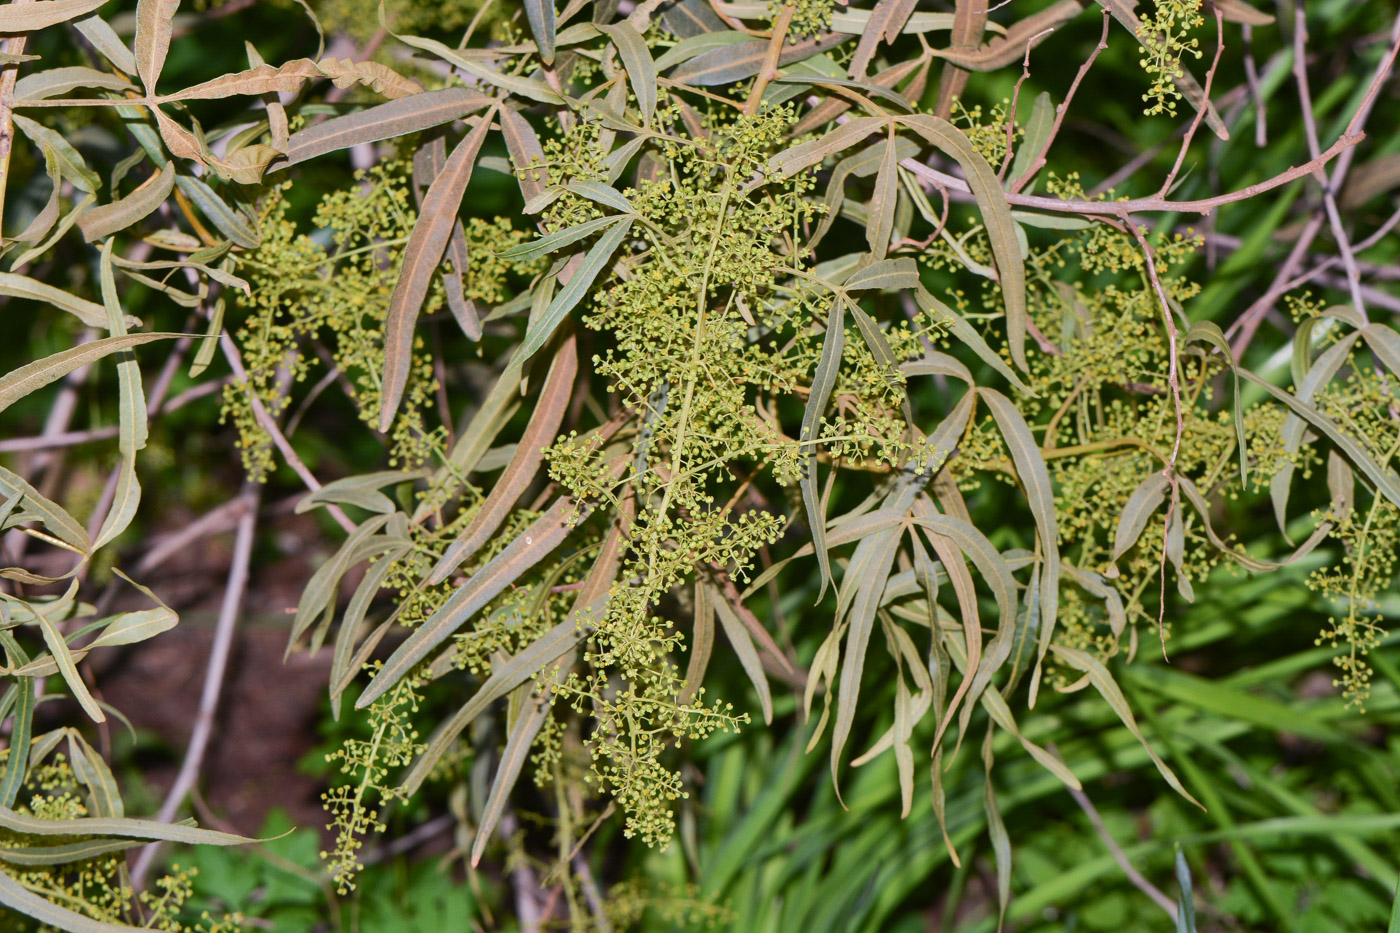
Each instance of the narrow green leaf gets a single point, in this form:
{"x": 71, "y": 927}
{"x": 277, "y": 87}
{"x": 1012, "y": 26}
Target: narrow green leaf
{"x": 533, "y": 545}
{"x": 571, "y": 294}
{"x": 900, "y": 274}
{"x": 733, "y": 63}
{"x": 106, "y": 219}
{"x": 421, "y": 258}
{"x": 28, "y": 17}
{"x": 389, "y": 120}
{"x": 743, "y": 647}
{"x": 154, "y": 23}
{"x": 996, "y": 217}
{"x": 543, "y": 246}
{"x": 524, "y": 464}
{"x": 636, "y": 58}
{"x": 1103, "y": 682}
{"x": 823, "y": 380}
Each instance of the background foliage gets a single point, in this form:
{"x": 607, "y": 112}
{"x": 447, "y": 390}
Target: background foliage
{"x": 998, "y": 404}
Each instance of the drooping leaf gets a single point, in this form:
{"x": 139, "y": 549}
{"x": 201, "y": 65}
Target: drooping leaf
{"x": 421, "y": 258}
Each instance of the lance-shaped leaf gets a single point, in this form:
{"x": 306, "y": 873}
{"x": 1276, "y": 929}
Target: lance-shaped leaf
{"x": 146, "y": 830}
{"x": 318, "y": 599}
{"x": 541, "y": 16}
{"x": 885, "y": 21}
{"x": 969, "y": 336}
{"x": 106, "y": 219}
{"x": 519, "y": 742}
{"x": 1140, "y": 507}
{"x": 1208, "y": 332}
{"x": 526, "y": 153}
{"x": 547, "y": 649}
{"x": 288, "y": 78}
{"x": 28, "y": 17}
{"x": 1103, "y": 682}
{"x": 898, "y": 274}
{"x": 104, "y": 38}
{"x": 822, "y": 383}
{"x": 1040, "y": 494}
{"x": 69, "y": 161}
{"x": 743, "y": 60}
{"x": 533, "y": 545}
{"x": 515, "y": 84}
{"x": 21, "y": 727}
{"x": 1291, "y": 434}
{"x": 702, "y": 641}
{"x": 865, "y": 583}
{"x": 89, "y": 312}
{"x": 636, "y": 58}
{"x": 31, "y": 377}
{"x": 804, "y": 155}
{"x": 1385, "y": 480}
{"x": 1026, "y": 33}
{"x": 570, "y": 295}
{"x": 384, "y": 121}
{"x": 882, "y": 203}
{"x": 154, "y": 23}
{"x": 744, "y": 648}
{"x": 421, "y": 258}
{"x": 523, "y": 466}
{"x": 1037, "y": 132}
{"x": 60, "y": 82}
{"x": 35, "y": 504}
{"x": 545, "y": 245}
{"x": 996, "y": 217}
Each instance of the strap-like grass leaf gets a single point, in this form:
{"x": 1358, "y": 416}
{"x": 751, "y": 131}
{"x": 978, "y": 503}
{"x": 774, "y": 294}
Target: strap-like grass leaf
{"x": 996, "y": 217}
{"x": 823, "y": 380}
{"x": 421, "y": 258}
{"x": 28, "y": 17}
{"x": 384, "y": 121}
{"x": 571, "y": 294}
